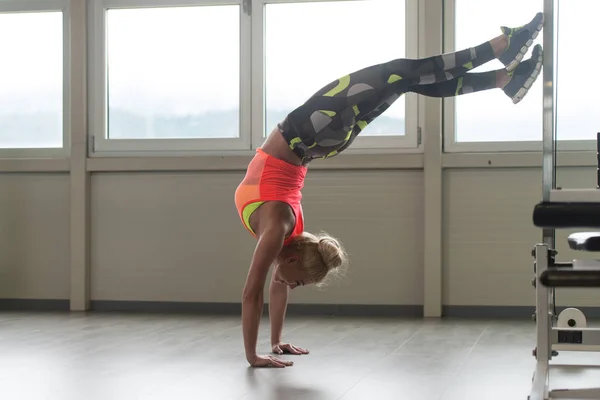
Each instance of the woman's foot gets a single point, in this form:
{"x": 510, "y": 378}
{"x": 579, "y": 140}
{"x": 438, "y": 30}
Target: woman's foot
{"x": 522, "y": 78}
{"x": 519, "y": 41}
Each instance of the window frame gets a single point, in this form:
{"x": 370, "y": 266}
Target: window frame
{"x": 252, "y": 88}
{"x": 407, "y": 143}
{"x": 31, "y": 6}
{"x": 100, "y": 145}
{"x": 449, "y": 112}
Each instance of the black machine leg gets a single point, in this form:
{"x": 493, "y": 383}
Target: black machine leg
{"x": 598, "y": 160}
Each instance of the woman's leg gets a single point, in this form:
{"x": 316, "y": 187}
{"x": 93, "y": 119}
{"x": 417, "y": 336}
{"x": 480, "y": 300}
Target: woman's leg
{"x": 509, "y": 48}
{"x": 323, "y": 125}
{"x": 515, "y": 84}
{"x": 328, "y": 121}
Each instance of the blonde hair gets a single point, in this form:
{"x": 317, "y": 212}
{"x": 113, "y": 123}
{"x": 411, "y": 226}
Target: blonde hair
{"x": 322, "y": 255}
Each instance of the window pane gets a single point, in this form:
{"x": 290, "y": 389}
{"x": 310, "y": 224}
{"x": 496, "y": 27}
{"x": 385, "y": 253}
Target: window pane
{"x": 309, "y": 45}
{"x": 490, "y": 116}
{"x": 173, "y": 72}
{"x": 577, "y": 116}
{"x": 31, "y": 80}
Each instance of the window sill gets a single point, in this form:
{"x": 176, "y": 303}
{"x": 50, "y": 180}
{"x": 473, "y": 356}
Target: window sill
{"x": 530, "y": 159}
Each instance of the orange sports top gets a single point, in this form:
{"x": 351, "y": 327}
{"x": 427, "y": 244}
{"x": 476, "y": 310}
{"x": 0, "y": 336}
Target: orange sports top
{"x": 271, "y": 179}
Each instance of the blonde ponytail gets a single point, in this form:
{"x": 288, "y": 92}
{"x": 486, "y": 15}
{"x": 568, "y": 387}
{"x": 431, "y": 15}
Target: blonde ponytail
{"x": 322, "y": 255}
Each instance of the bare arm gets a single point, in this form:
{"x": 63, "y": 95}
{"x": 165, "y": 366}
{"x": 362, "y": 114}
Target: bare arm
{"x": 278, "y": 300}
{"x": 269, "y": 245}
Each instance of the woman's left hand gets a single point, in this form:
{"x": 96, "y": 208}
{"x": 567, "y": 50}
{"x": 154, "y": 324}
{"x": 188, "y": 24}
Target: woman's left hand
{"x": 288, "y": 348}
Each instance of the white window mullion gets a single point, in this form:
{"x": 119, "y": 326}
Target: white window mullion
{"x": 67, "y": 80}
{"x": 448, "y": 103}
{"x": 258, "y": 72}
{"x": 96, "y": 75}
{"x": 412, "y": 51}
{"x": 246, "y": 74}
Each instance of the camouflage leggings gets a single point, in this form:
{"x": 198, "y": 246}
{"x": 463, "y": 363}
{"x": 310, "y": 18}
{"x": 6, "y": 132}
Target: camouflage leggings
{"x": 329, "y": 121}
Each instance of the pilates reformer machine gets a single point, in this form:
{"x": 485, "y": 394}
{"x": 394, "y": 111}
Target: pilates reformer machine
{"x": 573, "y": 209}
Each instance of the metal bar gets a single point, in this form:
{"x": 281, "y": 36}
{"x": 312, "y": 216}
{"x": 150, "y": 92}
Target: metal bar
{"x": 539, "y": 387}
{"x": 567, "y": 214}
{"x": 548, "y": 144}
{"x": 542, "y": 306}
{"x": 570, "y": 277}
{"x": 597, "y": 160}
{"x": 580, "y": 394}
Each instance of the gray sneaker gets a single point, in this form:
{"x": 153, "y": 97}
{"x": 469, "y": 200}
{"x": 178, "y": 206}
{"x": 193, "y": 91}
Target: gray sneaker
{"x": 522, "y": 78}
{"x": 520, "y": 40}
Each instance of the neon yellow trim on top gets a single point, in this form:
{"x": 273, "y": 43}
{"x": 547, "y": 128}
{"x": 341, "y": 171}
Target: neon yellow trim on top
{"x": 248, "y": 210}
{"x": 468, "y": 65}
{"x": 356, "y": 110}
{"x": 342, "y": 84}
{"x": 328, "y": 113}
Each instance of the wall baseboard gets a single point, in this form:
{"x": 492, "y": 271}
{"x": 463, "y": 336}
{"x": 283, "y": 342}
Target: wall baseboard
{"x": 515, "y": 312}
{"x": 488, "y": 311}
{"x": 33, "y": 305}
{"x": 345, "y": 310}
{"x": 340, "y": 310}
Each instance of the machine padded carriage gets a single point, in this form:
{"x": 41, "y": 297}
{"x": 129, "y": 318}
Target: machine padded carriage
{"x": 568, "y": 216}
{"x": 563, "y": 215}
{"x": 572, "y": 215}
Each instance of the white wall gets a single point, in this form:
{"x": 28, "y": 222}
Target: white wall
{"x": 34, "y": 236}
{"x": 489, "y": 235}
{"x": 175, "y": 236}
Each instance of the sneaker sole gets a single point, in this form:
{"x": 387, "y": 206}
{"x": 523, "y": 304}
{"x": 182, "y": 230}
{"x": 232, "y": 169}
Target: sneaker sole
{"x": 523, "y": 51}
{"x": 529, "y": 82}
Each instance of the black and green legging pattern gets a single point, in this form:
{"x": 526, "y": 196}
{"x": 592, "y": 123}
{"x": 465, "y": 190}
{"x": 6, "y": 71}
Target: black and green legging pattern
{"x": 329, "y": 121}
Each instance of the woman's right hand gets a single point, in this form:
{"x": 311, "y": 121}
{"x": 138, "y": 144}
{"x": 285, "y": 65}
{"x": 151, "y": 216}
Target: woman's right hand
{"x": 269, "y": 361}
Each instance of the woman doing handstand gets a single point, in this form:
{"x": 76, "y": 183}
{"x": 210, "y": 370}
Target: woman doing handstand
{"x": 268, "y": 199}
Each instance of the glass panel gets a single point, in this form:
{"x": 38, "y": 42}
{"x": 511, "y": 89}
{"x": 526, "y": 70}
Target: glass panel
{"x": 308, "y": 45}
{"x": 173, "y": 72}
{"x": 31, "y": 78}
{"x": 577, "y": 115}
{"x": 490, "y": 116}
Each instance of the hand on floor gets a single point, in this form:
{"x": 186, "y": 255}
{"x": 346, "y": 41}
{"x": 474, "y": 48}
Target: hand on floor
{"x": 269, "y": 361}
{"x": 288, "y": 348}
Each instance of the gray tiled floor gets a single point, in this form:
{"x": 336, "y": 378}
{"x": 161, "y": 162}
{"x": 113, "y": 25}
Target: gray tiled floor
{"x": 48, "y": 356}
